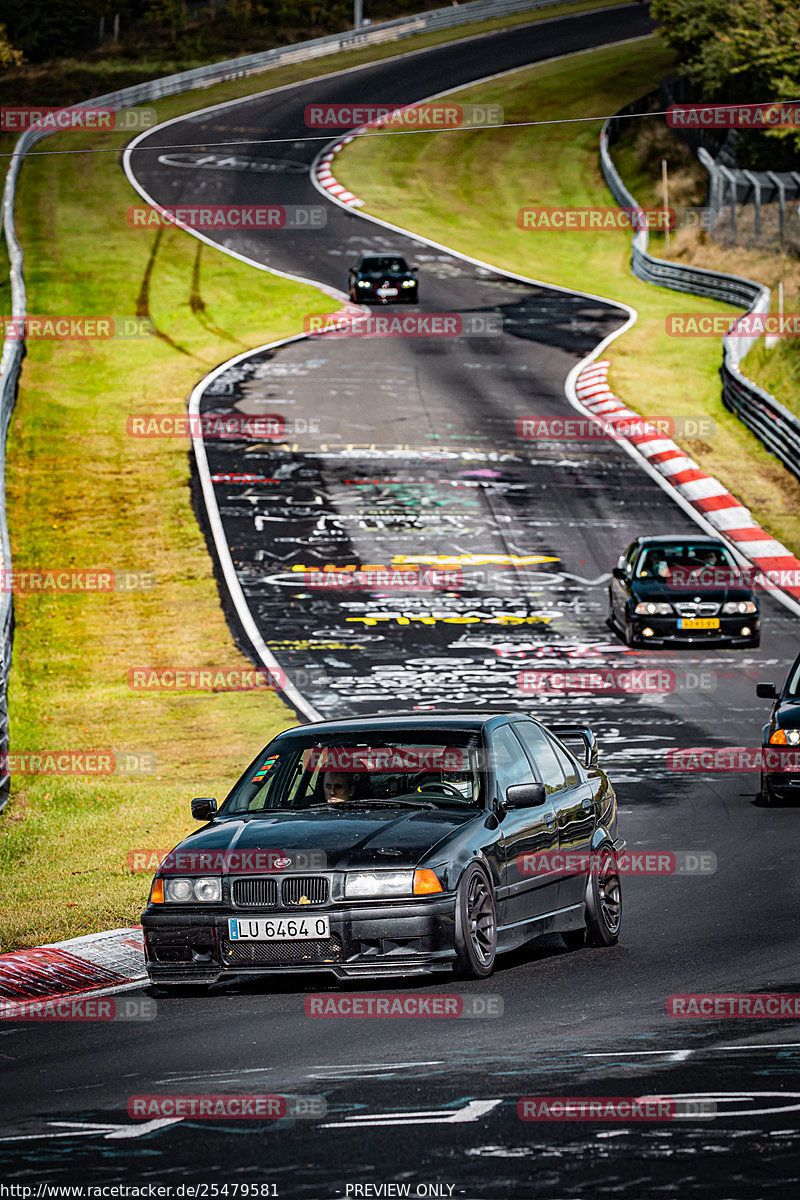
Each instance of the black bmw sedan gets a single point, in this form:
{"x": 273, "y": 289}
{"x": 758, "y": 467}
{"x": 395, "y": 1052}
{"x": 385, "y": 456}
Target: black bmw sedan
{"x": 668, "y": 590}
{"x": 780, "y": 774}
{"x": 392, "y": 845}
{"x": 383, "y": 279}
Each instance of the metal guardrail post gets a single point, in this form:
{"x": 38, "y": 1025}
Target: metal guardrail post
{"x": 756, "y": 201}
{"x": 781, "y": 189}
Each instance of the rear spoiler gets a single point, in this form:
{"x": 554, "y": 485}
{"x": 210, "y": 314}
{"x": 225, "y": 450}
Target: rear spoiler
{"x": 579, "y": 733}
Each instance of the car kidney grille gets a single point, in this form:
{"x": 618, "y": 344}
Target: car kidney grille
{"x": 706, "y": 609}
{"x": 277, "y": 954}
{"x": 259, "y": 892}
{"x": 302, "y": 889}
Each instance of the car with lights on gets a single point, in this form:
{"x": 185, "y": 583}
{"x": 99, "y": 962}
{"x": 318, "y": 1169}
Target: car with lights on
{"x": 690, "y": 590}
{"x": 392, "y": 845}
{"x": 383, "y": 279}
{"x": 780, "y": 773}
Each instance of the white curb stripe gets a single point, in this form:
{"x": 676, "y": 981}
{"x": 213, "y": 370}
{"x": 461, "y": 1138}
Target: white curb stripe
{"x": 701, "y": 489}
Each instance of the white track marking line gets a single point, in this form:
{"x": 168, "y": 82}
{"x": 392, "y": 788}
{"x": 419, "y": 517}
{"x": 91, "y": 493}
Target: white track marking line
{"x": 472, "y": 1111}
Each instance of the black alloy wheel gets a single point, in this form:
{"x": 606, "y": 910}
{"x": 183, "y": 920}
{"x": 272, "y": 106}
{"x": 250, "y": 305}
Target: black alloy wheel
{"x": 476, "y": 924}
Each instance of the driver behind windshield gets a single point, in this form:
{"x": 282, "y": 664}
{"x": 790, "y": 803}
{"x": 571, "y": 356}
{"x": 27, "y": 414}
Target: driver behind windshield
{"x": 338, "y": 786}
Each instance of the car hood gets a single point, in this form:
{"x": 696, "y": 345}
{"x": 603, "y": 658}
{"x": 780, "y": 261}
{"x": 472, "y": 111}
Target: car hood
{"x": 377, "y": 276}
{"x": 343, "y": 840}
{"x": 651, "y": 589}
{"x": 787, "y": 714}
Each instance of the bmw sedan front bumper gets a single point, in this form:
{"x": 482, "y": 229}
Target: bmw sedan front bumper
{"x": 398, "y": 938}
{"x": 669, "y": 630}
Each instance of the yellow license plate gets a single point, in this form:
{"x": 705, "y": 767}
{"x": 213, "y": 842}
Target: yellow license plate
{"x": 699, "y": 623}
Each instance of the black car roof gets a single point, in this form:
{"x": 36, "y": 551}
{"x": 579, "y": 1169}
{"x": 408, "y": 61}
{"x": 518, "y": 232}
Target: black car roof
{"x": 466, "y": 721}
{"x": 666, "y": 539}
{"x": 398, "y": 258}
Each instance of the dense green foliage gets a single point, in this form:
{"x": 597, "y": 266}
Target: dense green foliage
{"x": 740, "y": 51}
{"x": 42, "y": 30}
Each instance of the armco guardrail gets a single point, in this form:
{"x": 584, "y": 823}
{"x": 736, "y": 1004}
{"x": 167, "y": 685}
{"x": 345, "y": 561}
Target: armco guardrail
{"x": 155, "y": 89}
{"x": 773, "y": 424}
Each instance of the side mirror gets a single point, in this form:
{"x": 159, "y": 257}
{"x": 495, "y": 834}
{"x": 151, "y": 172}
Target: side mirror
{"x": 204, "y": 808}
{"x": 525, "y": 795}
{"x": 414, "y": 270}
{"x": 619, "y": 573}
{"x": 767, "y": 691}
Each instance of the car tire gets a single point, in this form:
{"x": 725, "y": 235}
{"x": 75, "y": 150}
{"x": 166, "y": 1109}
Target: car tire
{"x": 475, "y": 924}
{"x": 603, "y": 899}
{"x": 627, "y": 633}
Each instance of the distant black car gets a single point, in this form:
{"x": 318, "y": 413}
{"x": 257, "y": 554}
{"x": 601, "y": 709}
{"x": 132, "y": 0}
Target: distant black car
{"x": 683, "y": 590}
{"x": 383, "y": 278}
{"x": 781, "y": 736}
{"x": 392, "y": 845}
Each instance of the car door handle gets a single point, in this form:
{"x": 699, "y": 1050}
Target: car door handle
{"x": 587, "y": 804}
{"x": 551, "y": 825}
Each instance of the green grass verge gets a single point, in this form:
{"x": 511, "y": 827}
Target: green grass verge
{"x": 465, "y": 189}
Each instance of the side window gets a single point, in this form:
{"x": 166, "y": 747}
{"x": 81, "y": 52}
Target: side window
{"x": 568, "y": 764}
{"x": 266, "y": 774}
{"x": 630, "y": 556}
{"x": 509, "y": 760}
{"x": 542, "y": 751}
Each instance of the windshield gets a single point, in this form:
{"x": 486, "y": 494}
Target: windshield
{"x": 793, "y": 682}
{"x": 429, "y": 768}
{"x": 393, "y": 265}
{"x": 707, "y": 564}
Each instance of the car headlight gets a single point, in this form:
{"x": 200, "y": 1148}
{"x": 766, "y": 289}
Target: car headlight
{"x": 180, "y": 890}
{"x": 785, "y": 737}
{"x": 409, "y": 283}
{"x": 735, "y": 607}
{"x": 363, "y": 884}
{"x": 363, "y": 283}
{"x": 650, "y": 608}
